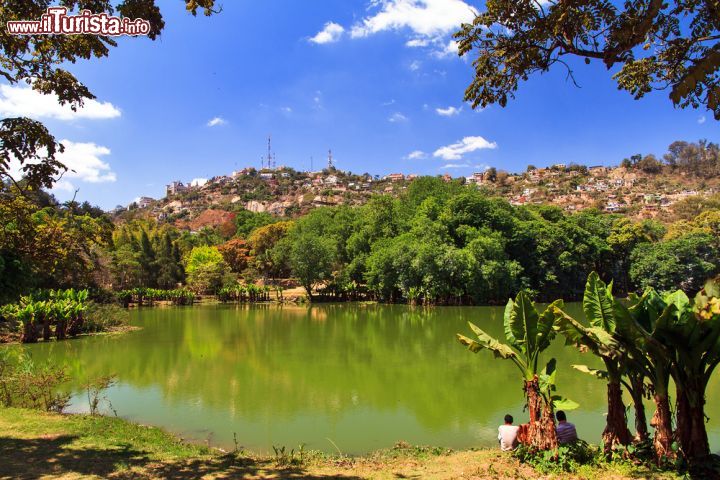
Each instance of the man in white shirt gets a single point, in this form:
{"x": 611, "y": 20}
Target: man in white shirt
{"x": 507, "y": 434}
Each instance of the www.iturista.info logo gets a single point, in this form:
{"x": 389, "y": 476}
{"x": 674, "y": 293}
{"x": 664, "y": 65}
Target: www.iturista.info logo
{"x": 57, "y": 22}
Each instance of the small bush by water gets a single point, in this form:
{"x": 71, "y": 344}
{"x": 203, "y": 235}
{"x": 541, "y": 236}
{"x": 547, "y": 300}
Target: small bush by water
{"x": 25, "y": 384}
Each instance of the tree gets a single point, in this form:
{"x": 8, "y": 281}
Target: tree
{"x": 640, "y": 328}
{"x": 126, "y": 267}
{"x": 28, "y": 141}
{"x": 263, "y": 242}
{"x": 146, "y": 257}
{"x": 701, "y": 159}
{"x": 598, "y": 337}
{"x": 656, "y": 45}
{"x": 236, "y": 253}
{"x": 528, "y": 333}
{"x": 247, "y": 221}
{"x": 206, "y": 269}
{"x": 311, "y": 259}
{"x": 692, "y": 331}
{"x": 687, "y": 262}
{"x": 167, "y": 268}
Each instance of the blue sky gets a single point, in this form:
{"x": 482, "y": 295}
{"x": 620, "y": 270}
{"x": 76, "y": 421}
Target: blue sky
{"x": 359, "y": 88}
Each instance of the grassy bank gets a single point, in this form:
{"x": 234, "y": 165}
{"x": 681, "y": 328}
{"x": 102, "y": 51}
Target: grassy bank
{"x": 41, "y": 445}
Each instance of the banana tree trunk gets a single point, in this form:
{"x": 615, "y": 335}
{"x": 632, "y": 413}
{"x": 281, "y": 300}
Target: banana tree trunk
{"x": 691, "y": 431}
{"x": 46, "y": 328}
{"x": 662, "y": 422}
{"x": 616, "y": 431}
{"x": 61, "y": 328}
{"x": 641, "y": 428}
{"x": 30, "y": 334}
{"x": 541, "y": 431}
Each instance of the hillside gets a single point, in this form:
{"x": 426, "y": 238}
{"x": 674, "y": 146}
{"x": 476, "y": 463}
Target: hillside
{"x": 641, "y": 187}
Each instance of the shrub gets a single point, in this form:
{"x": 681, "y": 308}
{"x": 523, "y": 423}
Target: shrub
{"x": 24, "y": 384}
{"x": 566, "y": 459}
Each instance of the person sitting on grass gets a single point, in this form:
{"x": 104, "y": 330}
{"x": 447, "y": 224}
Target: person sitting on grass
{"x": 508, "y": 435}
{"x": 566, "y": 432}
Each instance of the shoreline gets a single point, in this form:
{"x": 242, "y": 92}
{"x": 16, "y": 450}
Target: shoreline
{"x": 38, "y": 444}
{"x": 14, "y": 337}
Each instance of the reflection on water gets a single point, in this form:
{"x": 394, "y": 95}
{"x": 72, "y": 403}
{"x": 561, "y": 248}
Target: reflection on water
{"x": 359, "y": 376}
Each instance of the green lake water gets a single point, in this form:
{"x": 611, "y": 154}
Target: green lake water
{"x": 359, "y": 377}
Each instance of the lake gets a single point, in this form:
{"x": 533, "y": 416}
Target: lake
{"x": 347, "y": 377}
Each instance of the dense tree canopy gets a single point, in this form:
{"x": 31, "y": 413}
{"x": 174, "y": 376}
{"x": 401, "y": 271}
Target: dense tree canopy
{"x": 655, "y": 45}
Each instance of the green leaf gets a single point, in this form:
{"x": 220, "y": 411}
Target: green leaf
{"x": 546, "y": 378}
{"x": 598, "y": 303}
{"x": 486, "y": 342}
{"x": 560, "y": 403}
{"x": 522, "y": 323}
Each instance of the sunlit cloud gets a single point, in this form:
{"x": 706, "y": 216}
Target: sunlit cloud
{"x": 397, "y": 117}
{"x": 456, "y": 150}
{"x": 216, "y": 122}
{"x": 23, "y": 101}
{"x": 331, "y": 32}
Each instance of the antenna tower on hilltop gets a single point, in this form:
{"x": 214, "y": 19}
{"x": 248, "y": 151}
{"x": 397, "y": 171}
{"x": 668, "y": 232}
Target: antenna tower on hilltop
{"x": 269, "y": 159}
{"x": 331, "y": 165}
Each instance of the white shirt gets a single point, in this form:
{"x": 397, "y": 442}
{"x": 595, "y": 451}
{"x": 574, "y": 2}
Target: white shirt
{"x": 507, "y": 434}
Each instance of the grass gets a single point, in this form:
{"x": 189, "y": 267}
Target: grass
{"x": 42, "y": 445}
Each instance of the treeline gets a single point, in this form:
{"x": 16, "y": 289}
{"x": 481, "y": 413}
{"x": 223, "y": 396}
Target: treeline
{"x": 443, "y": 243}
{"x": 437, "y": 243}
{"x": 701, "y": 159}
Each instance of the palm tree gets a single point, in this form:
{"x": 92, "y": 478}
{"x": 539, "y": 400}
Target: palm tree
{"x": 528, "y": 333}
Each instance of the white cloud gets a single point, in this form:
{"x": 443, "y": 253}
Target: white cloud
{"x": 455, "y": 165}
{"x": 455, "y": 151}
{"x": 417, "y": 42}
{"x": 414, "y": 65}
{"x": 427, "y": 19}
{"x": 388, "y": 103}
{"x": 701, "y": 120}
{"x": 198, "y": 182}
{"x": 23, "y": 101}
{"x": 84, "y": 159}
{"x": 84, "y": 164}
{"x": 286, "y": 110}
{"x": 416, "y": 155}
{"x": 446, "y": 50}
{"x": 397, "y": 117}
{"x": 449, "y": 111}
{"x": 329, "y": 34}
{"x": 216, "y": 122}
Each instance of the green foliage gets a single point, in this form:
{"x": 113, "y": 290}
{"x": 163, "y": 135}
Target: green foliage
{"x": 247, "y": 222}
{"x": 244, "y": 293}
{"x": 50, "y": 312}
{"x": 568, "y": 458}
{"x": 24, "y": 384}
{"x": 528, "y": 333}
{"x": 147, "y": 296}
{"x": 206, "y": 269}
{"x": 685, "y": 262}
{"x": 656, "y": 45}
{"x": 312, "y": 255}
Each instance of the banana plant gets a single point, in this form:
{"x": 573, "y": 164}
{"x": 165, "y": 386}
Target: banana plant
{"x": 692, "y": 331}
{"x": 598, "y": 337}
{"x": 528, "y": 333}
{"x": 640, "y": 329}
